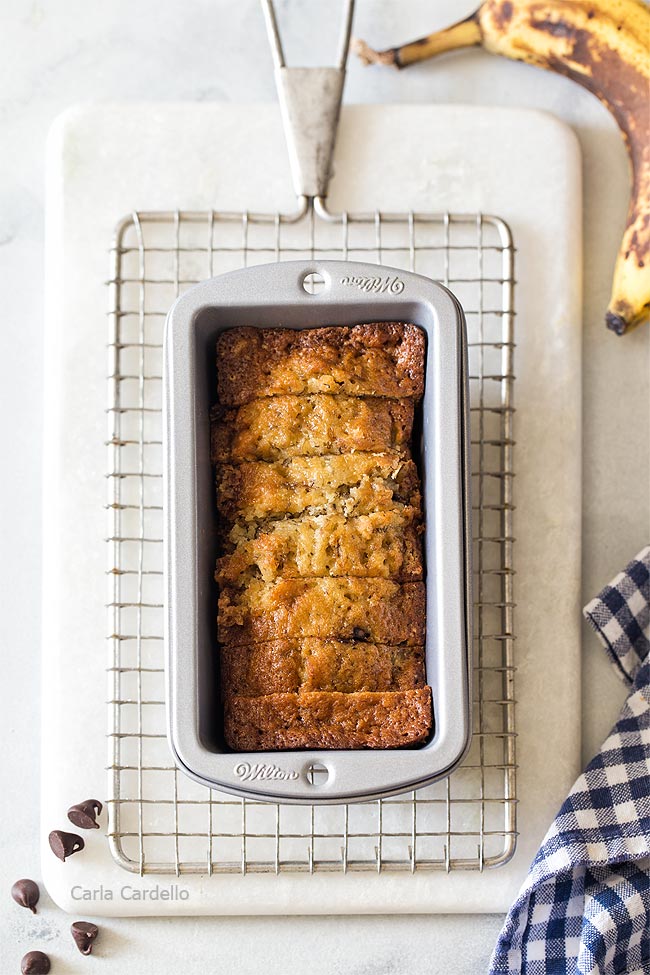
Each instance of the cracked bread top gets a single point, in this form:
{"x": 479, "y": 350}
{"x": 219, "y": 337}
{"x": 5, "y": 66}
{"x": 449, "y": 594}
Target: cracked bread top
{"x": 350, "y": 484}
{"x": 321, "y": 614}
{"x": 376, "y": 359}
{"x": 310, "y": 664}
{"x": 383, "y": 544}
{"x": 344, "y": 609}
{"x": 290, "y": 426}
{"x": 328, "y": 719}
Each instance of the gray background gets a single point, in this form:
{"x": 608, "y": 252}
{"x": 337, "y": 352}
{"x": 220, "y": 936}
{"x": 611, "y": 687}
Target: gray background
{"x": 56, "y": 55}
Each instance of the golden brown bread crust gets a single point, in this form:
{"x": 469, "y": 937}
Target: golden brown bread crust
{"x": 321, "y": 615}
{"x": 372, "y": 610}
{"x": 384, "y": 544}
{"x": 291, "y": 426}
{"x": 352, "y": 484}
{"x": 328, "y": 720}
{"x": 377, "y": 359}
{"x": 283, "y": 667}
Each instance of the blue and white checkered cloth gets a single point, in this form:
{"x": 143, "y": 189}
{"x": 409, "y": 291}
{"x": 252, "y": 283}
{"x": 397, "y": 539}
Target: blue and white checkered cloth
{"x": 584, "y": 908}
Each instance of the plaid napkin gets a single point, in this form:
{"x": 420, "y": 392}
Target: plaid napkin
{"x": 585, "y": 905}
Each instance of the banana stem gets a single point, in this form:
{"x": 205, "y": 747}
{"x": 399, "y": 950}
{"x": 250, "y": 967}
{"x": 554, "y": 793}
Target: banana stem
{"x": 467, "y": 33}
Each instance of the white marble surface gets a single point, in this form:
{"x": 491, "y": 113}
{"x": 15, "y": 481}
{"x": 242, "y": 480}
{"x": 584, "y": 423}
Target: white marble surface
{"x": 216, "y": 49}
{"x": 456, "y": 157}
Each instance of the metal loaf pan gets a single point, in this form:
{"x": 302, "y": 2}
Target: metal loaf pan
{"x": 275, "y": 295}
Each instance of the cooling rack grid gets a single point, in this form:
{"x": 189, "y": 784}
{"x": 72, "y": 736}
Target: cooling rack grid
{"x": 159, "y": 820}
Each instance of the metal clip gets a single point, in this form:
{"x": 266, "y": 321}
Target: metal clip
{"x": 310, "y": 102}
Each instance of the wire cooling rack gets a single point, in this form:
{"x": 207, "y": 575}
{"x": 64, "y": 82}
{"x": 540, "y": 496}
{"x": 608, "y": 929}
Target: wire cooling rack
{"x": 159, "y": 820}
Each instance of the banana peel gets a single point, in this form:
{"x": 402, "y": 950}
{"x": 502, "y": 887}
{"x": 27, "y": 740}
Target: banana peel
{"x": 603, "y": 45}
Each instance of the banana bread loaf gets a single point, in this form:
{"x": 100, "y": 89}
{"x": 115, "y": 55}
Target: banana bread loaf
{"x": 292, "y": 426}
{"x": 379, "y": 359}
{"x": 321, "y": 612}
{"x": 328, "y": 719}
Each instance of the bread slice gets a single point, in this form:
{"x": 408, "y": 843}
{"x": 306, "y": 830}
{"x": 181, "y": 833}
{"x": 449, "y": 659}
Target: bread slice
{"x": 291, "y": 426}
{"x": 378, "y": 359}
{"x": 370, "y": 610}
{"x": 281, "y": 667}
{"x": 384, "y": 544}
{"x": 350, "y": 484}
{"x": 393, "y": 719}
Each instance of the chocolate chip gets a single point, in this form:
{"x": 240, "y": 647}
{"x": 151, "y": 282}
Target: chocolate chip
{"x": 26, "y": 893}
{"x": 84, "y": 934}
{"x": 35, "y": 963}
{"x": 65, "y": 844}
{"x": 84, "y": 814}
{"x": 360, "y": 634}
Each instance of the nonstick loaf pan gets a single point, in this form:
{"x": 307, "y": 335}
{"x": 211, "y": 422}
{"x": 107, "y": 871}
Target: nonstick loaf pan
{"x": 279, "y": 295}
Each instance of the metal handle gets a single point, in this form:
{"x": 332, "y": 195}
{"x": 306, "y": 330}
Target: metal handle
{"x": 310, "y": 102}
{"x": 275, "y": 40}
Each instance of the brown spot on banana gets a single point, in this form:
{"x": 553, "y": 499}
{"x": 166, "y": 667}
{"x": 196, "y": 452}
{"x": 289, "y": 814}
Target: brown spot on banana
{"x": 503, "y": 15}
{"x": 603, "y": 46}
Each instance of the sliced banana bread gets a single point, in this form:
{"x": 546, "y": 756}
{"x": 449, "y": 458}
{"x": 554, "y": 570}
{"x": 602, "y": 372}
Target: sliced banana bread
{"x": 282, "y": 666}
{"x": 384, "y": 544}
{"x": 292, "y": 426}
{"x": 326, "y": 719}
{"x": 379, "y": 359}
{"x": 352, "y": 484}
{"x": 321, "y": 615}
{"x": 373, "y": 610}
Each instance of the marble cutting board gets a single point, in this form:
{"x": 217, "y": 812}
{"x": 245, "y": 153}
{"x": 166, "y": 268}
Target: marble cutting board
{"x": 105, "y": 161}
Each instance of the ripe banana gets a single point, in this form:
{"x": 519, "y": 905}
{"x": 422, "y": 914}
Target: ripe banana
{"x": 604, "y": 45}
